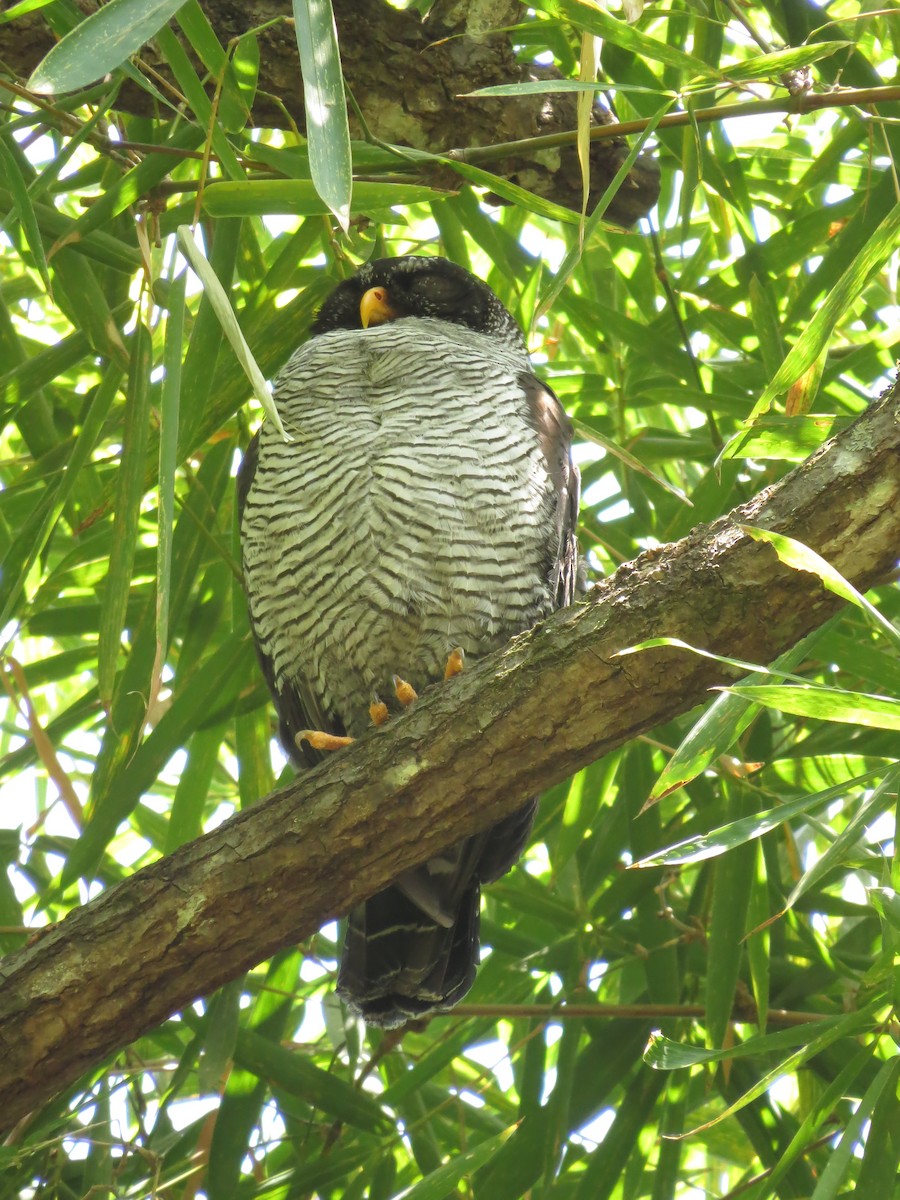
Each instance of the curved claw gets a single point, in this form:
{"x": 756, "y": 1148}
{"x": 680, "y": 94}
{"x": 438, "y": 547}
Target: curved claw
{"x": 322, "y": 741}
{"x": 405, "y": 692}
{"x": 456, "y": 661}
{"x": 378, "y": 710}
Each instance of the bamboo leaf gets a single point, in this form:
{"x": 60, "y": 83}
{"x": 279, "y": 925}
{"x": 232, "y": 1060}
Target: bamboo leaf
{"x": 816, "y": 336}
{"x": 794, "y": 554}
{"x": 129, "y": 494}
{"x": 100, "y": 43}
{"x": 329, "y": 1093}
{"x": 825, "y": 704}
{"x": 737, "y": 833}
{"x": 168, "y": 452}
{"x": 831, "y": 1181}
{"x": 762, "y": 66}
{"x": 296, "y": 197}
{"x": 225, "y": 313}
{"x": 9, "y": 167}
{"x": 327, "y": 129}
{"x": 444, "y": 1179}
{"x": 590, "y": 18}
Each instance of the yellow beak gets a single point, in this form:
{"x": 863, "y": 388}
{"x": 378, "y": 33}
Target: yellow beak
{"x": 375, "y": 308}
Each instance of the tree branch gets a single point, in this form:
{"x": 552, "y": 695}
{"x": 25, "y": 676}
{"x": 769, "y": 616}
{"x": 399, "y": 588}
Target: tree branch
{"x": 471, "y": 751}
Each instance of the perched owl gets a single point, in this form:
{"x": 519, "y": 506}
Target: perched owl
{"x": 426, "y": 504}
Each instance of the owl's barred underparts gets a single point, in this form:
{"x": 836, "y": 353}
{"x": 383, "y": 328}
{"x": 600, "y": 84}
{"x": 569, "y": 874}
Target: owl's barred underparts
{"x": 426, "y": 502}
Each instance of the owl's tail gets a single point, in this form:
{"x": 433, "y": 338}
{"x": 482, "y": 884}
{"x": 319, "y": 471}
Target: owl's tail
{"x": 412, "y": 949}
{"x": 399, "y": 963}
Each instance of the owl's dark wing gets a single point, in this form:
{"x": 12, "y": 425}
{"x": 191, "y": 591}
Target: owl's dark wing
{"x": 296, "y": 703}
{"x": 504, "y": 843}
{"x": 554, "y": 430}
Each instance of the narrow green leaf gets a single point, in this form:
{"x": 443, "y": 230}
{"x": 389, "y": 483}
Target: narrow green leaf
{"x": 22, "y": 9}
{"x": 52, "y": 170}
{"x": 745, "y": 829}
{"x": 442, "y": 1182}
{"x": 759, "y": 939}
{"x": 541, "y": 87}
{"x": 297, "y": 1075}
{"x": 25, "y": 380}
{"x": 189, "y": 82}
{"x": 778, "y": 61}
{"x": 233, "y": 112}
{"x": 245, "y": 64}
{"x": 570, "y": 262}
{"x": 886, "y": 902}
{"x": 327, "y": 130}
{"x": 297, "y": 197}
{"x": 129, "y": 493}
{"x": 825, "y": 704}
{"x": 732, "y": 883}
{"x": 842, "y": 1155}
{"x": 206, "y": 697}
{"x": 764, "y": 313}
{"x": 31, "y": 542}
{"x": 630, "y": 461}
{"x": 665, "y": 1055}
{"x": 83, "y": 298}
{"x": 512, "y": 192}
{"x": 100, "y": 246}
{"x": 794, "y": 554}
{"x": 11, "y": 913}
{"x": 785, "y": 439}
{"x": 9, "y": 168}
{"x": 878, "y": 1171}
{"x": 186, "y": 816}
{"x": 822, "y": 1111}
{"x": 883, "y": 798}
{"x": 208, "y": 370}
{"x": 815, "y": 337}
{"x": 100, "y": 43}
{"x": 223, "y": 310}
{"x": 587, "y": 71}
{"x": 589, "y": 17}
{"x": 723, "y": 723}
{"x": 170, "y": 405}
{"x": 134, "y": 767}
{"x": 608, "y": 1163}
{"x": 126, "y": 190}
{"x": 678, "y": 644}
{"x": 223, "y": 1020}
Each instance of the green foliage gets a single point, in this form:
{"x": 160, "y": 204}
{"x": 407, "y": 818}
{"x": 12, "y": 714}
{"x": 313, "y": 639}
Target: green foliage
{"x": 748, "y": 919}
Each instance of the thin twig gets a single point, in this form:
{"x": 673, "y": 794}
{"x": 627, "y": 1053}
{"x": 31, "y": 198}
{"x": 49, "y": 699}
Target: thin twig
{"x": 795, "y": 105}
{"x": 637, "y": 1012}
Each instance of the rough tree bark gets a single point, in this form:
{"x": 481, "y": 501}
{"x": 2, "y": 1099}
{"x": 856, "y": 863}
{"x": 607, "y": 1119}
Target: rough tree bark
{"x": 553, "y": 700}
{"x": 408, "y": 77}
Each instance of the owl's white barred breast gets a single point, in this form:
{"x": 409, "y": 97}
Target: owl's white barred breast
{"x": 408, "y": 516}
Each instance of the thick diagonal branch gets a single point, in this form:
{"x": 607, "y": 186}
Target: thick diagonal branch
{"x": 553, "y": 700}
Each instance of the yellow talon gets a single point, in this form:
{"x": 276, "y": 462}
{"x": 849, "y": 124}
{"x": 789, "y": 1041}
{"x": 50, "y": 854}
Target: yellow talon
{"x": 455, "y": 662}
{"x": 405, "y": 692}
{"x": 378, "y": 711}
{"x": 322, "y": 741}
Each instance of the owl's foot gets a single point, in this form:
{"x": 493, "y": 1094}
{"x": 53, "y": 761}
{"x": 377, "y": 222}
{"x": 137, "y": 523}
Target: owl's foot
{"x": 456, "y": 661}
{"x": 322, "y": 741}
{"x": 405, "y": 692}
